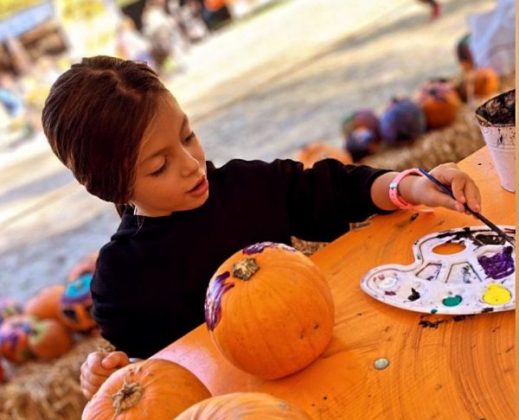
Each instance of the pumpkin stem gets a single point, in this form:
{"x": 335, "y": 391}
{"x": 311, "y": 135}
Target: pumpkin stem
{"x": 245, "y": 268}
{"x": 128, "y": 396}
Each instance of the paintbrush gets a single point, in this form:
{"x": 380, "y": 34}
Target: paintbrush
{"x": 479, "y": 216}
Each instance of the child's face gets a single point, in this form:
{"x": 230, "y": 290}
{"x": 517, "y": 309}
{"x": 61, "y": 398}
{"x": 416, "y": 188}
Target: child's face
{"x": 171, "y": 172}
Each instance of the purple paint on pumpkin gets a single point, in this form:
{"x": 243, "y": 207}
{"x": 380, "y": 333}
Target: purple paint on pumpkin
{"x": 499, "y": 265}
{"x": 259, "y": 247}
{"x": 213, "y": 300}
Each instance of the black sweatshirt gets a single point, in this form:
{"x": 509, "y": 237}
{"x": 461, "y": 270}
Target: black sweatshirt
{"x": 151, "y": 278}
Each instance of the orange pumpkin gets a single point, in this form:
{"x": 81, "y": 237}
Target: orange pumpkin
{"x": 486, "y": 82}
{"x": 149, "y": 389}
{"x": 440, "y": 103}
{"x": 269, "y": 310}
{"x": 50, "y": 339}
{"x": 76, "y": 305}
{"x": 243, "y": 406}
{"x": 14, "y": 338}
{"x": 314, "y": 152}
{"x": 46, "y": 303}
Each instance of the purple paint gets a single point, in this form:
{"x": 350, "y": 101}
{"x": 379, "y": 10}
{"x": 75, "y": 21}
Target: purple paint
{"x": 259, "y": 247}
{"x": 499, "y": 265}
{"x": 213, "y": 299}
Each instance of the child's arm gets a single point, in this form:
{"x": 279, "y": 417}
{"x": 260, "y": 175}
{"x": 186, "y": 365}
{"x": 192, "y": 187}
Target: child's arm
{"x": 419, "y": 190}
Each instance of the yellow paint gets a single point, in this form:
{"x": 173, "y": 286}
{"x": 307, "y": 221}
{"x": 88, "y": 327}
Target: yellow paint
{"x": 496, "y": 294}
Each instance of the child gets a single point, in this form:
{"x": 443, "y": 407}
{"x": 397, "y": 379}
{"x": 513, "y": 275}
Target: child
{"x": 126, "y": 139}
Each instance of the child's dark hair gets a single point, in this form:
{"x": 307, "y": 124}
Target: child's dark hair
{"x": 95, "y": 117}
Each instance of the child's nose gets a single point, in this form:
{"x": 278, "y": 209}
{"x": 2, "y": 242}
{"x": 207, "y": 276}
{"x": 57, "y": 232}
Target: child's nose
{"x": 190, "y": 164}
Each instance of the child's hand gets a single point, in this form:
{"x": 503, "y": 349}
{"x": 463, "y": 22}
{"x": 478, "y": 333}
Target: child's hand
{"x": 462, "y": 186}
{"x": 98, "y": 367}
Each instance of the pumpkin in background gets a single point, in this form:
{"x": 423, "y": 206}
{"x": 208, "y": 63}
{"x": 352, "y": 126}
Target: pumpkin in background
{"x": 14, "y": 338}
{"x": 8, "y": 308}
{"x": 243, "y": 406}
{"x": 76, "y": 305}
{"x": 49, "y": 339}
{"x": 149, "y": 389}
{"x": 269, "y": 310}
{"x": 402, "y": 121}
{"x": 361, "y": 118}
{"x": 440, "y": 103}
{"x": 362, "y": 142}
{"x": 486, "y": 81}
{"x": 314, "y": 152}
{"x": 46, "y": 303}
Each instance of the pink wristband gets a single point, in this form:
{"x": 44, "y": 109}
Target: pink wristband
{"x": 394, "y": 195}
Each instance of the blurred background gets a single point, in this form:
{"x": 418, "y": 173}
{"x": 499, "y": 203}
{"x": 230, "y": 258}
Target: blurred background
{"x": 391, "y": 84}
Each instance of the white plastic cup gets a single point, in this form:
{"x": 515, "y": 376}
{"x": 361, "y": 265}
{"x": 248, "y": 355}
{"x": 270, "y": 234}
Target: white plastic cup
{"x": 500, "y": 140}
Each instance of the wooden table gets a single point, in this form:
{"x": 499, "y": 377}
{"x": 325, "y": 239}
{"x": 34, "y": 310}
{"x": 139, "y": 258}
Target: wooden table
{"x": 462, "y": 369}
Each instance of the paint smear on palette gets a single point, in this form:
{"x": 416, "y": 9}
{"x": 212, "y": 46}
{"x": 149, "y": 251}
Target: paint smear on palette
{"x": 478, "y": 279}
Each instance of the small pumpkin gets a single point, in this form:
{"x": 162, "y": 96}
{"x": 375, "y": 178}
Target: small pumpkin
{"x": 440, "y": 103}
{"x": 14, "y": 338}
{"x": 362, "y": 142}
{"x": 49, "y": 339}
{"x": 269, "y": 310}
{"x": 243, "y": 406}
{"x": 9, "y": 307}
{"x": 149, "y": 389}
{"x": 314, "y": 152}
{"x": 402, "y": 121}
{"x": 361, "y": 118}
{"x": 76, "y": 305}
{"x": 479, "y": 83}
{"x": 46, "y": 303}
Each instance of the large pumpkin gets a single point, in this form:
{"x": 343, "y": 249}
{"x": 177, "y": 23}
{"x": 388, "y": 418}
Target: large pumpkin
{"x": 150, "y": 389}
{"x": 269, "y": 310}
{"x": 440, "y": 103}
{"x": 243, "y": 406}
{"x": 314, "y": 152}
{"x": 46, "y": 303}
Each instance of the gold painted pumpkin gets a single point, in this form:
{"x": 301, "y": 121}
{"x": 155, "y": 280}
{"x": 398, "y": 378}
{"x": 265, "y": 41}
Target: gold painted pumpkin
{"x": 46, "y": 303}
{"x": 269, "y": 310}
{"x": 243, "y": 406}
{"x": 440, "y": 103}
{"x": 149, "y": 389}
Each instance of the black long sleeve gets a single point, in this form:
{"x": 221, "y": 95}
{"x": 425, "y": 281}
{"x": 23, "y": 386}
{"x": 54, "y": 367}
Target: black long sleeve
{"x": 151, "y": 278}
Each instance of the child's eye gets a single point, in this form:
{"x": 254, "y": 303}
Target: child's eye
{"x": 161, "y": 169}
{"x": 189, "y": 137}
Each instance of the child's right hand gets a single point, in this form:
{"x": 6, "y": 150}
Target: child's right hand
{"x": 98, "y": 367}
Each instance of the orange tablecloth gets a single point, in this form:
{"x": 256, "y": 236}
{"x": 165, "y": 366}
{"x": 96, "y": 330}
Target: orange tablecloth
{"x": 463, "y": 369}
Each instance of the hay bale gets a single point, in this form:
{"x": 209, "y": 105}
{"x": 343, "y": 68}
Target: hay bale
{"x": 48, "y": 390}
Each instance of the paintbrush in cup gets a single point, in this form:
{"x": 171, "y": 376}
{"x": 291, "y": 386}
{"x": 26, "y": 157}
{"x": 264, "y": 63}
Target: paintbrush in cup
{"x": 479, "y": 216}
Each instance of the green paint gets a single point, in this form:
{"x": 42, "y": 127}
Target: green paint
{"x": 434, "y": 310}
{"x": 452, "y": 300}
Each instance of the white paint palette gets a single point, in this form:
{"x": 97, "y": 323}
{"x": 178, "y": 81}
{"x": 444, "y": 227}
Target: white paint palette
{"x": 479, "y": 278}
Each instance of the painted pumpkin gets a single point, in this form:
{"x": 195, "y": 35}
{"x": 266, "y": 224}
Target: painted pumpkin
{"x": 149, "y": 389}
{"x": 362, "y": 118}
{"x": 315, "y": 152}
{"x": 362, "y": 142}
{"x": 440, "y": 103}
{"x": 269, "y": 310}
{"x": 46, "y": 303}
{"x": 76, "y": 304}
{"x": 8, "y": 308}
{"x": 243, "y": 406}
{"x": 402, "y": 121}
{"x": 14, "y": 338}
{"x": 49, "y": 339}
